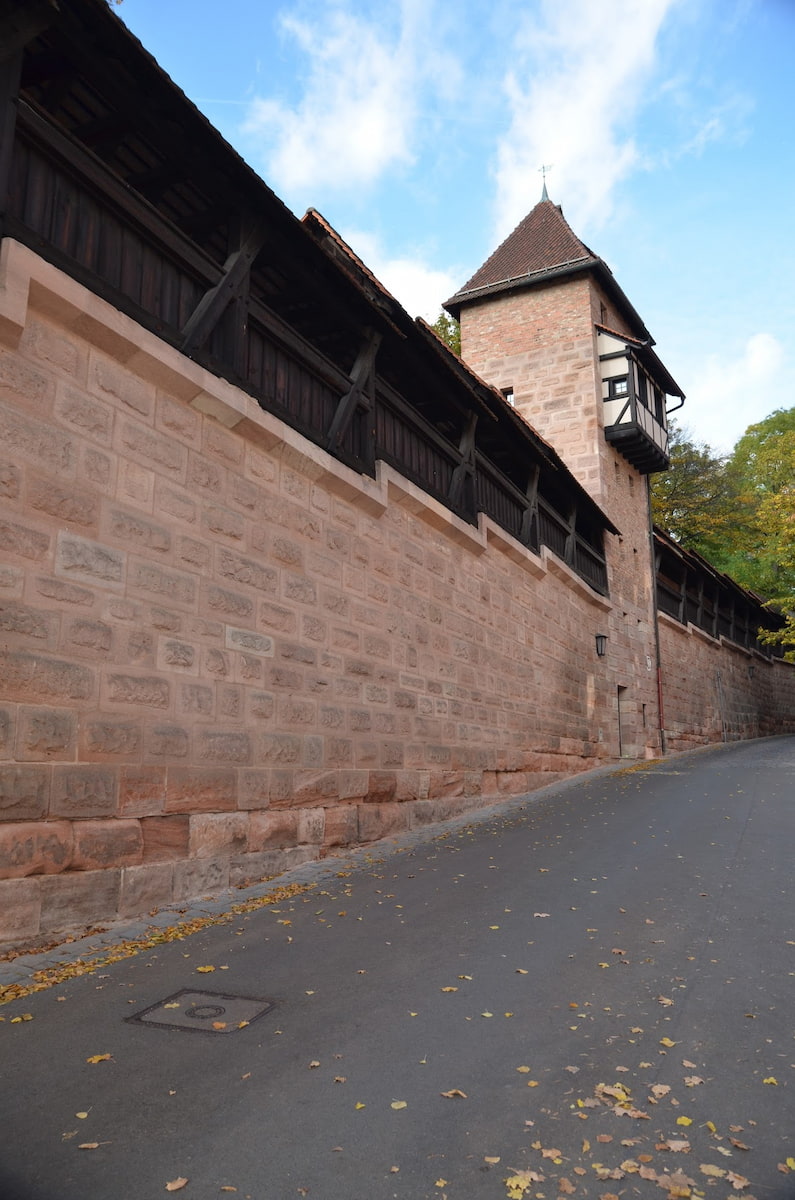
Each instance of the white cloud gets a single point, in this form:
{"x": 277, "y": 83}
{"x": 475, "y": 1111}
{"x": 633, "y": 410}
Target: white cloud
{"x": 730, "y": 393}
{"x": 581, "y": 71}
{"x": 418, "y": 287}
{"x": 359, "y": 114}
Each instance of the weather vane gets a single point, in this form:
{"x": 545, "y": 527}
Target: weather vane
{"x": 544, "y": 168}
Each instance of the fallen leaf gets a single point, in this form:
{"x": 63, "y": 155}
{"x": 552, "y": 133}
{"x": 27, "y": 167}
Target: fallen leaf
{"x": 712, "y": 1171}
{"x": 453, "y": 1094}
{"x": 81, "y": 1115}
{"x": 685, "y": 1063}
{"x": 399, "y": 1104}
{"x": 394, "y": 1170}
{"x": 21, "y": 1017}
{"x": 492, "y": 1161}
{"x": 202, "y": 971}
{"x": 666, "y": 1041}
{"x": 487, "y": 1014}
{"x": 521, "y": 971}
{"x": 465, "y": 977}
{"x": 540, "y": 914}
{"x": 604, "y": 1137}
{"x": 98, "y": 1058}
{"x": 173, "y": 1004}
{"x": 225, "y": 1187}
{"x": 660, "y": 1089}
{"x": 88, "y": 1146}
{"x": 771, "y": 1079}
{"x": 219, "y": 1024}
{"x": 693, "y": 1080}
{"x": 684, "y": 1121}
{"x": 739, "y": 1145}
{"x": 566, "y": 1187}
{"x": 314, "y": 1063}
{"x": 791, "y": 1164}
{"x": 176, "y": 1184}
{"x": 665, "y": 1001}
{"x": 449, "y": 989}
{"x": 738, "y": 1182}
{"x": 525, "y": 1070}
{"x": 359, "y": 1104}
{"x": 440, "y": 1183}
{"x": 550, "y": 1153}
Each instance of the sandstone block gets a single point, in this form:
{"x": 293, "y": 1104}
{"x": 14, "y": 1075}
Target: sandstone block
{"x": 273, "y": 828}
{"x": 205, "y": 475}
{"x": 246, "y": 571}
{"x": 278, "y": 749}
{"x": 313, "y": 787}
{"x": 254, "y": 789}
{"x": 142, "y": 791}
{"x": 65, "y": 504}
{"x": 90, "y": 791}
{"x": 223, "y": 522}
{"x": 216, "y": 834}
{"x": 131, "y": 528}
{"x": 196, "y": 699}
{"x": 22, "y": 541}
{"x": 24, "y": 793}
{"x": 20, "y": 909}
{"x": 219, "y": 745}
{"x": 167, "y": 742}
{"x": 64, "y": 593}
{"x": 8, "y": 722}
{"x": 276, "y": 617}
{"x": 183, "y": 507}
{"x": 110, "y": 739}
{"x": 36, "y": 441}
{"x": 177, "y": 419}
{"x": 201, "y": 789}
{"x": 88, "y": 418}
{"x": 153, "y": 449}
{"x": 111, "y": 382}
{"x": 341, "y": 827}
{"x": 150, "y": 579}
{"x": 220, "y": 601}
{"x": 46, "y": 734}
{"x": 165, "y": 838}
{"x": 249, "y": 642}
{"x": 147, "y": 691}
{"x": 250, "y": 868}
{"x": 30, "y": 623}
{"x": 34, "y": 848}
{"x": 78, "y": 898}
{"x": 9, "y": 481}
{"x": 382, "y": 820}
{"x": 89, "y": 637}
{"x": 145, "y": 888}
{"x": 79, "y": 558}
{"x": 101, "y": 844}
{"x": 200, "y": 877}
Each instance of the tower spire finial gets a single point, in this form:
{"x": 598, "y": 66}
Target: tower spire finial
{"x": 543, "y": 169}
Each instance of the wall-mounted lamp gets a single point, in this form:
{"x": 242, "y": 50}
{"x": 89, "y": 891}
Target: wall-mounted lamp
{"x": 601, "y": 645}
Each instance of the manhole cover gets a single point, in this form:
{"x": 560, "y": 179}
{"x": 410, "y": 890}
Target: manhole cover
{"x": 206, "y": 1012}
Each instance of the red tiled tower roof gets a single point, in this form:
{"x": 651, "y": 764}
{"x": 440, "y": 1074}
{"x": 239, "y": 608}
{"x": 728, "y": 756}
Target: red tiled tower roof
{"x": 542, "y": 246}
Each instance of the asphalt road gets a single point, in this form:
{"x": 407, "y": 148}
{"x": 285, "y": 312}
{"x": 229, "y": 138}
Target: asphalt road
{"x": 631, "y": 931}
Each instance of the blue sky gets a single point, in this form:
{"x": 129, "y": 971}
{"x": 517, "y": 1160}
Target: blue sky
{"x": 418, "y": 128}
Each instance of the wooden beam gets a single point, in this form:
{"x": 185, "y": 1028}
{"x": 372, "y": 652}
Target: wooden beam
{"x": 466, "y": 468}
{"x": 360, "y": 394}
{"x": 23, "y": 24}
{"x": 213, "y": 303}
{"x": 531, "y": 496}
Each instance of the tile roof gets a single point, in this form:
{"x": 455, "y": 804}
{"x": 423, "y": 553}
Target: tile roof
{"x": 543, "y": 241}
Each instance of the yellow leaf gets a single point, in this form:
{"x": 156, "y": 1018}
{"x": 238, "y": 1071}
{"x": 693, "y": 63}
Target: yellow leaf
{"x": 493, "y": 926}
{"x": 449, "y": 989}
{"x": 203, "y": 971}
{"x": 487, "y": 1014}
{"x": 398, "y": 1104}
{"x": 225, "y": 1187}
{"x": 711, "y": 1126}
{"x": 173, "y": 1004}
{"x": 791, "y": 1164}
{"x": 464, "y": 976}
{"x": 219, "y": 1024}
{"x": 492, "y": 1161}
{"x": 453, "y": 1093}
{"x": 667, "y": 1042}
{"x": 523, "y": 1070}
{"x": 713, "y": 1171}
{"x": 532, "y": 1083}
{"x": 683, "y": 1121}
{"x": 508, "y": 1014}
{"x": 441, "y": 1183}
{"x": 771, "y": 1079}
{"x": 358, "y": 1104}
{"x": 394, "y": 1170}
{"x": 98, "y": 1058}
{"x": 81, "y": 1116}
{"x": 176, "y": 1184}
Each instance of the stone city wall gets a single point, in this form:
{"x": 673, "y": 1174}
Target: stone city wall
{"x": 716, "y": 691}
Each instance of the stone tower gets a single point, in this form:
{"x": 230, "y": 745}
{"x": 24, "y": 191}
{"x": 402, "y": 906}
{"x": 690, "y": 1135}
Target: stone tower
{"x": 544, "y": 320}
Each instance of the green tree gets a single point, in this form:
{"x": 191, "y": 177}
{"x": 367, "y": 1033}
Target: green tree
{"x": 689, "y": 500}
{"x": 448, "y": 329}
